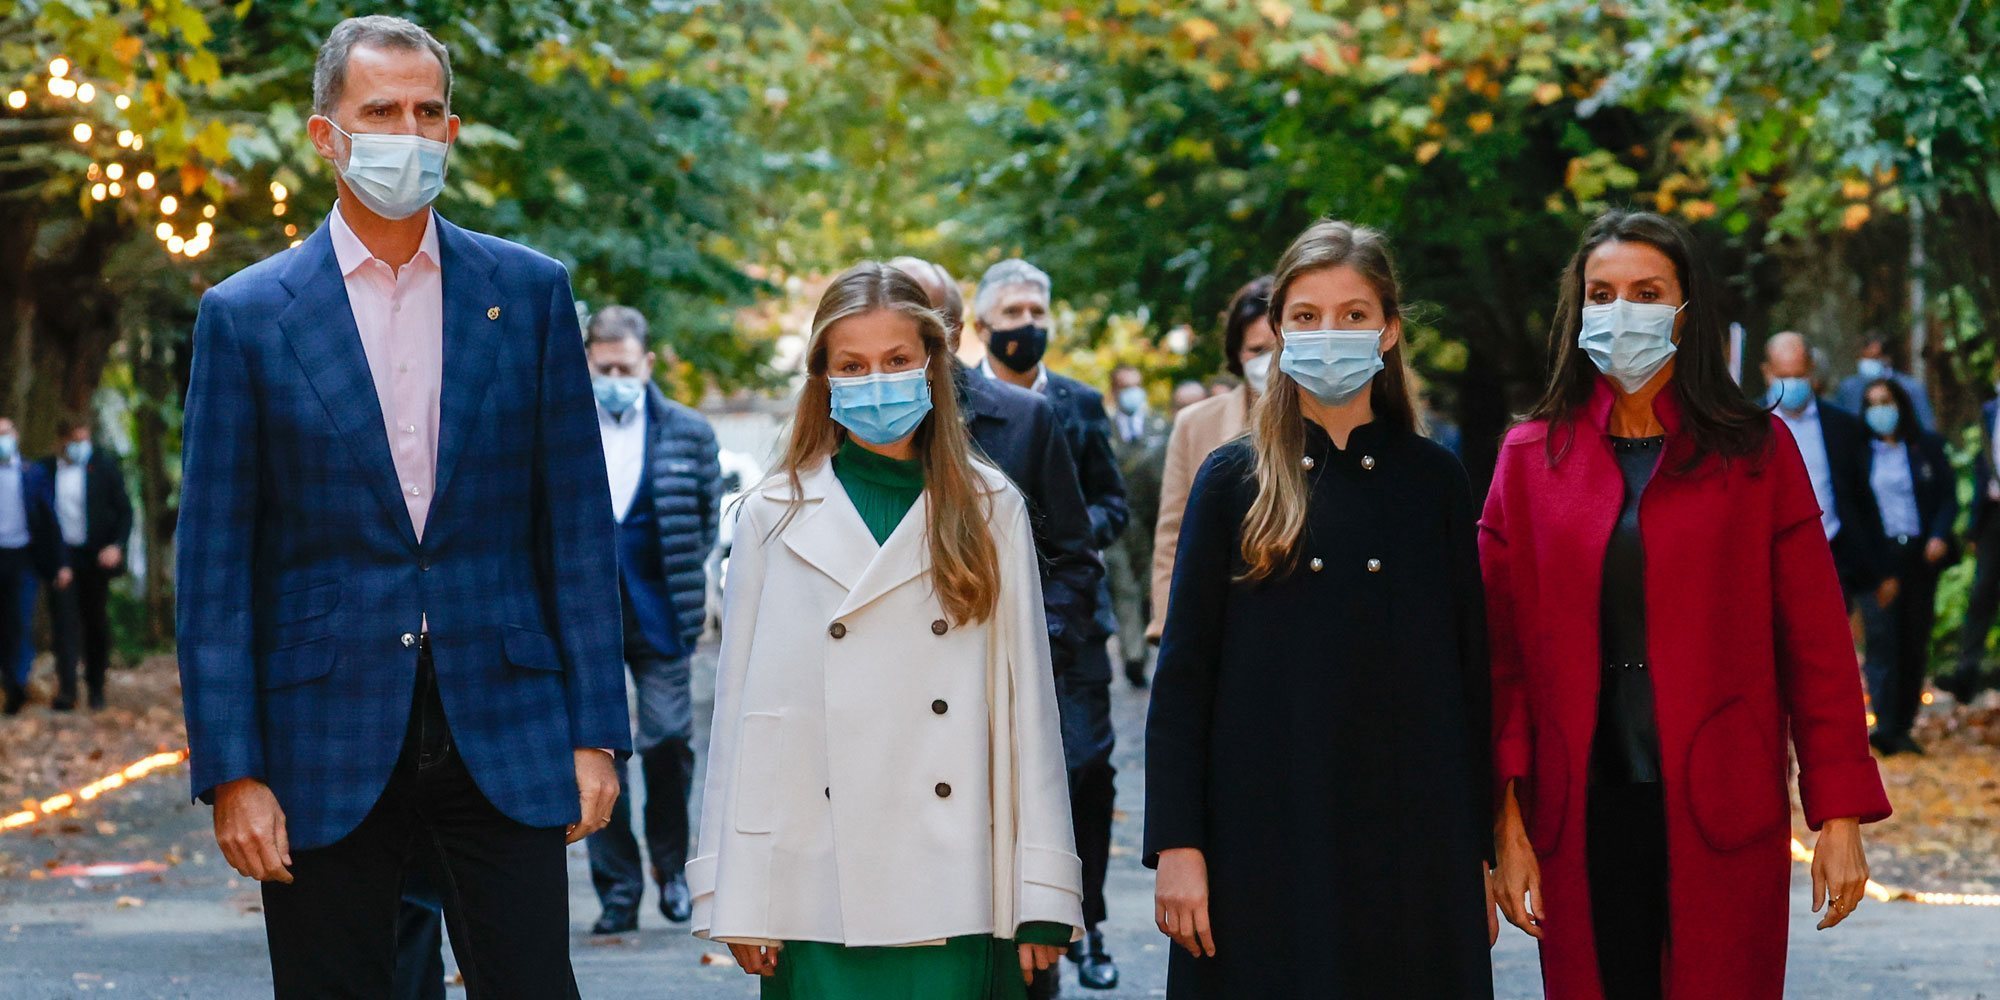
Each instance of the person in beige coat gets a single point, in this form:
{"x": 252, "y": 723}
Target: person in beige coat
{"x": 1248, "y": 347}
{"x": 886, "y": 767}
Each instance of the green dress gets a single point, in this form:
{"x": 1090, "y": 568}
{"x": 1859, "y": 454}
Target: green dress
{"x": 968, "y": 967}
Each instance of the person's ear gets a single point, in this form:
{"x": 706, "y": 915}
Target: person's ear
{"x": 451, "y": 129}
{"x": 1392, "y": 334}
{"x": 319, "y": 128}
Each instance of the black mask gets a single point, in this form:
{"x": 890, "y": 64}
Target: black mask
{"x": 1020, "y": 348}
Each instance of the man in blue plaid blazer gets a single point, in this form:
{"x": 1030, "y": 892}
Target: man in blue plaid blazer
{"x": 399, "y": 628}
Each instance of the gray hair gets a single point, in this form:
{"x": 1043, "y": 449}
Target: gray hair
{"x": 1009, "y": 272}
{"x": 613, "y": 324}
{"x": 376, "y": 31}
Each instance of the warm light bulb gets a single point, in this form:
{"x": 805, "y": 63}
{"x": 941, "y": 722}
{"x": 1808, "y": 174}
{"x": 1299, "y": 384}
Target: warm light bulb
{"x": 58, "y": 66}
{"x": 175, "y": 243}
{"x": 138, "y": 143}
{"x": 125, "y": 137}
{"x": 278, "y": 209}
{"x": 97, "y": 192}
{"x": 203, "y": 230}
{"x": 208, "y": 211}
{"x": 95, "y": 172}
{"x": 291, "y": 230}
{"x": 163, "y": 230}
{"x": 115, "y": 171}
{"x": 86, "y": 93}
{"x": 117, "y": 190}
{"x": 123, "y": 102}
{"x": 17, "y": 100}
{"x": 81, "y": 131}
{"x": 278, "y": 192}
{"x": 169, "y": 205}
{"x": 144, "y": 180}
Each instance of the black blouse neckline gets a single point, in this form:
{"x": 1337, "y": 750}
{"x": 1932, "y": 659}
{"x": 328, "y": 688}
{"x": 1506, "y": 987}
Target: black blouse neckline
{"x": 1364, "y": 441}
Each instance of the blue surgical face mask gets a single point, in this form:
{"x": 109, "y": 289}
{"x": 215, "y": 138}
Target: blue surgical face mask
{"x": 617, "y": 393}
{"x": 394, "y": 175}
{"x": 1629, "y": 341}
{"x": 1794, "y": 394}
{"x": 1257, "y": 371}
{"x": 883, "y": 408}
{"x": 1871, "y": 369}
{"x": 1131, "y": 400}
{"x": 1883, "y": 418}
{"x": 9, "y": 447}
{"x": 78, "y": 452}
{"x": 1333, "y": 365}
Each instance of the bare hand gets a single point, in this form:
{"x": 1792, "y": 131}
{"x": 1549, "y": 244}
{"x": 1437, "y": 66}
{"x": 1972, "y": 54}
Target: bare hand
{"x": 1935, "y": 550}
{"x": 250, "y": 829}
{"x": 110, "y": 556}
{"x": 1885, "y": 594}
{"x": 756, "y": 959}
{"x": 1517, "y": 885}
{"x": 1037, "y": 957}
{"x": 597, "y": 792}
{"x": 1839, "y": 870}
{"x": 1492, "y": 906}
{"x": 1180, "y": 900}
{"x": 64, "y": 577}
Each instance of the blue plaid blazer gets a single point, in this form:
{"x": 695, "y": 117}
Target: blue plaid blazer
{"x": 301, "y": 581}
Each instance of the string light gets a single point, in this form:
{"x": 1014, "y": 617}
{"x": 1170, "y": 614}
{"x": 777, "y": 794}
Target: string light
{"x": 97, "y": 192}
{"x": 145, "y": 180}
{"x": 117, "y": 190}
{"x": 1877, "y": 891}
{"x": 122, "y": 102}
{"x": 115, "y": 171}
{"x": 169, "y": 205}
{"x": 86, "y": 93}
{"x": 17, "y": 100}
{"x": 163, "y": 230}
{"x": 204, "y": 230}
{"x": 208, "y": 211}
{"x": 58, "y": 67}
{"x": 175, "y": 243}
{"x": 61, "y": 87}
{"x": 125, "y": 137}
{"x": 36, "y": 811}
{"x": 81, "y": 132}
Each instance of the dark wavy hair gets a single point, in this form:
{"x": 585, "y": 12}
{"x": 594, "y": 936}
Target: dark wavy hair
{"x": 1247, "y": 306}
{"x": 1714, "y": 412}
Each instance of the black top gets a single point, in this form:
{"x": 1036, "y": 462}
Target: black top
{"x": 1322, "y": 735}
{"x": 1627, "y": 749}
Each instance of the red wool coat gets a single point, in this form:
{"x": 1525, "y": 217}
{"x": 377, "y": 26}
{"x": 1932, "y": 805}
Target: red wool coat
{"x": 1748, "y": 643}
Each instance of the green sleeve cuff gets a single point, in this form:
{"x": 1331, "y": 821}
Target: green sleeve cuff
{"x": 1044, "y": 932}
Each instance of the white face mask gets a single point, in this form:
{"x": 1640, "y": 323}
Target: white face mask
{"x": 1629, "y": 341}
{"x": 394, "y": 175}
{"x": 1257, "y": 371}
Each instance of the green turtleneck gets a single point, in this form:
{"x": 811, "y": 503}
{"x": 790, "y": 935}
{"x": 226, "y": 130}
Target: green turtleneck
{"x": 883, "y": 489}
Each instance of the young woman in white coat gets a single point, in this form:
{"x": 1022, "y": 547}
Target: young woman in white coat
{"x": 886, "y": 814}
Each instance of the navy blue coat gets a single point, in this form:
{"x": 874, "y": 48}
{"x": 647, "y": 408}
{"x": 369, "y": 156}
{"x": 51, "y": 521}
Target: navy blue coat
{"x": 1019, "y": 432}
{"x": 1088, "y": 428}
{"x": 302, "y": 583}
{"x": 685, "y": 478}
{"x": 45, "y": 545}
{"x": 1860, "y": 553}
{"x": 107, "y": 509}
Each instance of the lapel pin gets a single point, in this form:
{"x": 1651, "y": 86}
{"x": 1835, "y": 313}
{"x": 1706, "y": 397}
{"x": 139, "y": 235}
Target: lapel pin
{"x": 493, "y": 313}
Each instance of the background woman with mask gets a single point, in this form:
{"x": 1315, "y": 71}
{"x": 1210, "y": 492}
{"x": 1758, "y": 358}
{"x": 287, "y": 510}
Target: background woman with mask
{"x": 886, "y": 815}
{"x": 1664, "y": 610}
{"x": 1917, "y": 493}
{"x": 1316, "y": 754}
{"x": 1248, "y": 349}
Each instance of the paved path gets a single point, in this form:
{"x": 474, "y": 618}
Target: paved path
{"x": 195, "y": 931}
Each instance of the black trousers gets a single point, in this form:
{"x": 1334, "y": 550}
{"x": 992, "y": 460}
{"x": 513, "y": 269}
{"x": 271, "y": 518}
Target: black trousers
{"x": 615, "y": 868}
{"x": 1980, "y": 604}
{"x": 14, "y": 565}
{"x": 334, "y": 931}
{"x": 1899, "y": 641}
{"x": 82, "y": 616}
{"x": 1626, "y": 848}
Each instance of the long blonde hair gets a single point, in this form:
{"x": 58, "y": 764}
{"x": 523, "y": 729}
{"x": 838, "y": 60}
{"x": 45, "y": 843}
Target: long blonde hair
{"x": 1276, "y": 520}
{"x": 965, "y": 565}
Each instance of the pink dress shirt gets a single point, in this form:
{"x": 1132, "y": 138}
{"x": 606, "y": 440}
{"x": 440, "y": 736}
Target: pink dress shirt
{"x": 400, "y": 315}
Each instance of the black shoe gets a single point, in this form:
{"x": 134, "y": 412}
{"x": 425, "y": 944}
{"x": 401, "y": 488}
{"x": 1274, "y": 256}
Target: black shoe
{"x": 616, "y": 920}
{"x": 15, "y": 698}
{"x": 1135, "y": 671}
{"x": 1094, "y": 968}
{"x": 96, "y": 700}
{"x": 676, "y": 902}
{"x": 63, "y": 703}
{"x": 1907, "y": 744}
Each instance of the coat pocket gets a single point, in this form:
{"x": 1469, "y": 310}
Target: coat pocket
{"x": 1548, "y": 788}
{"x": 757, "y": 756}
{"x": 529, "y": 649}
{"x": 1732, "y": 792}
{"x": 297, "y": 664}
{"x": 306, "y": 604}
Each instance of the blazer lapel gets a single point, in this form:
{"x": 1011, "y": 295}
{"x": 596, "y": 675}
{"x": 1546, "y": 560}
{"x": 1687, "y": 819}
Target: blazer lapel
{"x": 319, "y": 324}
{"x": 826, "y": 532}
{"x": 471, "y": 339}
{"x": 904, "y": 556}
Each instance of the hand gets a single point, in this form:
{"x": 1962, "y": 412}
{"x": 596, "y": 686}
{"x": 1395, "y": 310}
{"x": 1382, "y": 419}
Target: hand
{"x": 597, "y": 792}
{"x": 1517, "y": 885}
{"x": 1180, "y": 900}
{"x": 1037, "y": 957}
{"x": 110, "y": 556}
{"x": 64, "y": 577}
{"x": 250, "y": 829}
{"x": 1839, "y": 870}
{"x": 1935, "y": 550}
{"x": 1885, "y": 594}
{"x": 1492, "y": 906}
{"x": 756, "y": 959}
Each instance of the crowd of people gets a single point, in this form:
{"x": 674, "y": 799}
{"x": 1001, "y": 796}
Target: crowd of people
{"x": 1383, "y": 716}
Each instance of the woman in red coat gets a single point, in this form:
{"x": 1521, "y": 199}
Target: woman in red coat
{"x": 1650, "y": 658}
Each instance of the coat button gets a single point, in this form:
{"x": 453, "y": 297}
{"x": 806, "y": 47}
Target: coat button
{"x": 939, "y": 627}
{"x": 1306, "y": 463}
{"x": 409, "y": 639}
{"x": 943, "y": 790}
{"x": 828, "y": 792}
{"x": 938, "y": 707}
{"x": 1317, "y": 564}
{"x": 838, "y": 630}
{"x": 1368, "y": 461}
{"x": 1374, "y": 565}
